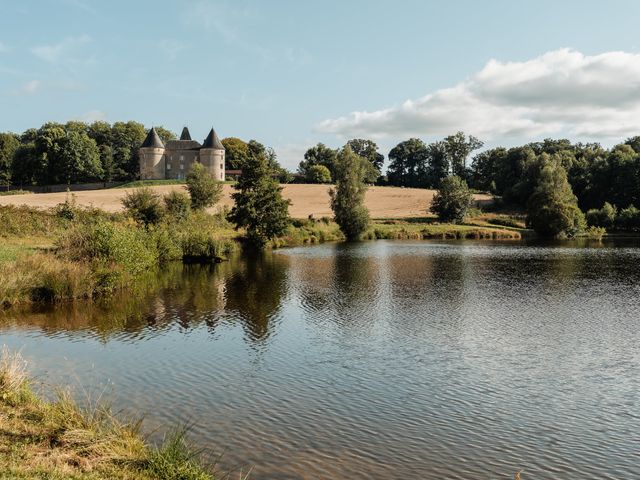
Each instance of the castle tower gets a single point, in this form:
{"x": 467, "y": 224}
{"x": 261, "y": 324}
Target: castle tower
{"x": 185, "y": 134}
{"x": 212, "y": 156}
{"x": 152, "y": 159}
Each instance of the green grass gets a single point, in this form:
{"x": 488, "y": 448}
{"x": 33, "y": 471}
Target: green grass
{"x": 59, "y": 439}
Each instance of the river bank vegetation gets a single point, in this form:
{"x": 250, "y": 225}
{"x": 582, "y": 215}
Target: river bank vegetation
{"x": 59, "y": 439}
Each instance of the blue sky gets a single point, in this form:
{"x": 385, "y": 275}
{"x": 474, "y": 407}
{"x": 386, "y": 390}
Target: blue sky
{"x": 292, "y": 73}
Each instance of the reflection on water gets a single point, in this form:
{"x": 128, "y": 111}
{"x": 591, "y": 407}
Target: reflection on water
{"x": 376, "y": 360}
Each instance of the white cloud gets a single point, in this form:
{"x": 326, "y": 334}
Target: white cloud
{"x": 60, "y": 51}
{"x": 92, "y": 116}
{"x": 562, "y": 92}
{"x": 290, "y": 154}
{"x": 4, "y": 48}
{"x": 29, "y": 88}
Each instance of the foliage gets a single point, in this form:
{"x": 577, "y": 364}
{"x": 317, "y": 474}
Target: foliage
{"x": 259, "y": 206}
{"x": 553, "y": 208}
{"x": 143, "y": 205}
{"x": 236, "y": 152}
{"x": 69, "y": 208}
{"x": 347, "y": 198}
{"x": 177, "y": 204}
{"x": 318, "y": 174}
{"x": 457, "y": 148}
{"x": 452, "y": 201}
{"x": 318, "y": 155}
{"x": 604, "y": 217}
{"x": 204, "y": 190}
{"x": 628, "y": 219}
{"x": 9, "y": 143}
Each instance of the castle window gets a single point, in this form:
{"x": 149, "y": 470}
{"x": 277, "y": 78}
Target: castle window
{"x": 182, "y": 158}
{"x": 168, "y": 166}
{"x": 221, "y": 167}
{"x": 181, "y": 167}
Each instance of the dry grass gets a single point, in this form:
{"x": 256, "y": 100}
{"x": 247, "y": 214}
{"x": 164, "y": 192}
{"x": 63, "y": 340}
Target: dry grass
{"x": 382, "y": 202}
{"x": 60, "y": 440}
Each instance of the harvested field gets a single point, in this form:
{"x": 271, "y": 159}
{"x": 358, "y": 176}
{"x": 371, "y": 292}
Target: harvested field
{"x": 382, "y": 202}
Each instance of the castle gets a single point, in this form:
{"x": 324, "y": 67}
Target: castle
{"x": 173, "y": 160}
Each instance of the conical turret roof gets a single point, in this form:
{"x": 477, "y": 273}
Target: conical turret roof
{"x": 185, "y": 134}
{"x": 153, "y": 140}
{"x": 212, "y": 141}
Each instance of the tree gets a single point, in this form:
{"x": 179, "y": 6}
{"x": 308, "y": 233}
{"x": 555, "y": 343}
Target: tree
{"x": 604, "y": 217}
{"x": 165, "y": 135}
{"x": 458, "y": 148}
{"x": 76, "y": 159}
{"x": 143, "y": 205}
{"x": 126, "y": 138}
{"x": 368, "y": 150}
{"x": 452, "y": 200}
{"x": 318, "y": 155}
{"x": 204, "y": 190}
{"x": 9, "y": 143}
{"x": 347, "y": 198}
{"x": 553, "y": 208}
{"x": 408, "y": 164}
{"x": 318, "y": 174}
{"x": 259, "y": 206}
{"x": 236, "y": 152}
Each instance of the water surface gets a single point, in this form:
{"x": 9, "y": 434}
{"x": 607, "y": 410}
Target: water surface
{"x": 412, "y": 360}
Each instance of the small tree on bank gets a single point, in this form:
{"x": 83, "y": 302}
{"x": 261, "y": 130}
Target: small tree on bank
{"x": 347, "y": 198}
{"x": 204, "y": 190}
{"x": 259, "y": 206}
{"x": 452, "y": 201}
{"x": 553, "y": 208}
{"x": 177, "y": 204}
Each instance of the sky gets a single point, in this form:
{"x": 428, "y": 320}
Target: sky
{"x": 291, "y": 73}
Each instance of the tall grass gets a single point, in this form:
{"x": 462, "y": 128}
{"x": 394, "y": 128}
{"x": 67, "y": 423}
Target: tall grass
{"x": 61, "y": 439}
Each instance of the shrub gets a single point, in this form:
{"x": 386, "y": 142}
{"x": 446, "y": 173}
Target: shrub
{"x": 604, "y": 217}
{"x": 628, "y": 218}
{"x": 68, "y": 209}
{"x": 204, "y": 190}
{"x": 143, "y": 205}
{"x": 200, "y": 246}
{"x": 452, "y": 201}
{"x": 347, "y": 198}
{"x": 177, "y": 204}
{"x": 110, "y": 243}
{"x": 318, "y": 174}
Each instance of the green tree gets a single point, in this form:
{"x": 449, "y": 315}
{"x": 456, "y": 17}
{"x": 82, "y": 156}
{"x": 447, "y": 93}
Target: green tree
{"x": 165, "y": 135}
{"x": 236, "y": 152}
{"x": 126, "y": 138}
{"x": 143, "y": 205}
{"x": 458, "y": 148}
{"x": 604, "y": 217}
{"x": 204, "y": 190}
{"x": 553, "y": 208}
{"x": 368, "y": 150}
{"x": 347, "y": 198}
{"x": 318, "y": 155}
{"x": 452, "y": 200}
{"x": 318, "y": 174}
{"x": 408, "y": 164}
{"x": 259, "y": 206}
{"x": 9, "y": 143}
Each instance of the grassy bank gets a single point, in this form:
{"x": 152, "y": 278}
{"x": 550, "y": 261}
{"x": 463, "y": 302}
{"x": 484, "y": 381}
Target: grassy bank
{"x": 58, "y": 439}
{"x": 71, "y": 252}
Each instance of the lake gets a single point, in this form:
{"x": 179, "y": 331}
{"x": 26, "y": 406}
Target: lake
{"x": 412, "y": 360}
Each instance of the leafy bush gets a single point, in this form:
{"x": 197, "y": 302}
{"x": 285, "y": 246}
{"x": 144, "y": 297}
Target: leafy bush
{"x": 177, "y": 204}
{"x": 68, "y": 209}
{"x": 204, "y": 190}
{"x": 201, "y": 246}
{"x": 318, "y": 174}
{"x": 628, "y": 218}
{"x": 143, "y": 205}
{"x": 604, "y": 217}
{"x": 452, "y": 201}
